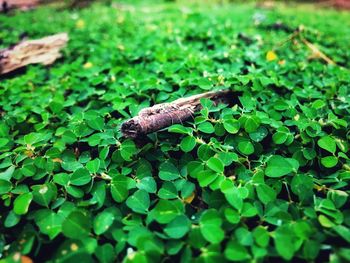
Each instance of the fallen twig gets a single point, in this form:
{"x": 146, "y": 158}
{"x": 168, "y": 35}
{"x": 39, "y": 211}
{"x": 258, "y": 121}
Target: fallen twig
{"x": 316, "y": 53}
{"x": 45, "y": 51}
{"x": 163, "y": 115}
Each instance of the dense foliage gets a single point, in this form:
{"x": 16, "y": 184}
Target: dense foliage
{"x": 265, "y": 178}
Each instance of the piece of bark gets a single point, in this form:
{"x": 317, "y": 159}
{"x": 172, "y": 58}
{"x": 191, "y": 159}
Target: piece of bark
{"x": 164, "y": 115}
{"x": 45, "y": 51}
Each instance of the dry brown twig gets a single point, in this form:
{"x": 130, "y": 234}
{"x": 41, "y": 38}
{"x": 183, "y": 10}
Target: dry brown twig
{"x": 44, "y": 51}
{"x": 163, "y": 115}
{"x": 316, "y": 52}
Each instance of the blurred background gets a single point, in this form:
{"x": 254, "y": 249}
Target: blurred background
{"x": 7, "y": 5}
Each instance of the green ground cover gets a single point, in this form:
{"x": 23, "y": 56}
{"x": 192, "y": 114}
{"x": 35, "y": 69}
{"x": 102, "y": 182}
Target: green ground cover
{"x": 263, "y": 179}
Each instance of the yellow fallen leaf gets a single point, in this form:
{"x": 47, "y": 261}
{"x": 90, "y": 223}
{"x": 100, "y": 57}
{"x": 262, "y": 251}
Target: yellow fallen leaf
{"x": 189, "y": 199}
{"x": 320, "y": 188}
{"x": 88, "y": 65}
{"x": 221, "y": 80}
{"x": 29, "y": 153}
{"x": 80, "y": 24}
{"x": 25, "y": 259}
{"x": 271, "y": 55}
{"x": 120, "y": 19}
{"x": 121, "y": 47}
{"x": 74, "y": 247}
{"x": 57, "y": 160}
